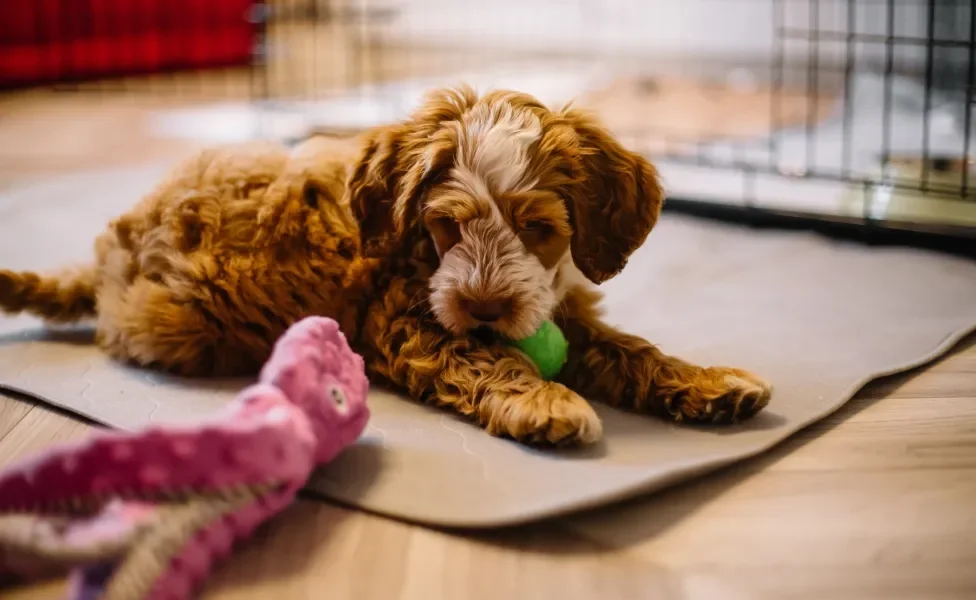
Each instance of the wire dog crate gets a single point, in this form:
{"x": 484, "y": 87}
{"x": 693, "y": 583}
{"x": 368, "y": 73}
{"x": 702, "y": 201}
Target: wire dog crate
{"x": 851, "y": 114}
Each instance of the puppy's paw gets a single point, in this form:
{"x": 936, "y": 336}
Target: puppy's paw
{"x": 721, "y": 395}
{"x": 544, "y": 413}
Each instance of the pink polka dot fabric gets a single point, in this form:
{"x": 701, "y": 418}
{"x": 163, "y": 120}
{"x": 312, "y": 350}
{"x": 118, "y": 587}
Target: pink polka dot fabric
{"x": 88, "y": 505}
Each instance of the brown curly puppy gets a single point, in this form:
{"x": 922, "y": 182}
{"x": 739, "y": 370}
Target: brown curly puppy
{"x": 475, "y": 219}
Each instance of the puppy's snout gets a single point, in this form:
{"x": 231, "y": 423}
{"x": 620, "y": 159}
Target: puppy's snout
{"x": 487, "y": 310}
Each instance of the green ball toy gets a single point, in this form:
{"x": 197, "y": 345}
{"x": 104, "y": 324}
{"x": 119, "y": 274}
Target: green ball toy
{"x": 547, "y": 348}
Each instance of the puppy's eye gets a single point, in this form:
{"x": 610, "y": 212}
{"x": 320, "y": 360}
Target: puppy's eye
{"x": 339, "y": 400}
{"x": 537, "y": 228}
{"x": 311, "y": 195}
{"x": 445, "y": 223}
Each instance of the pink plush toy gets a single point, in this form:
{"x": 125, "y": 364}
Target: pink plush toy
{"x": 145, "y": 515}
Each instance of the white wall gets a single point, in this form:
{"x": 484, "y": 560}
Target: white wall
{"x": 678, "y": 25}
{"x": 733, "y": 29}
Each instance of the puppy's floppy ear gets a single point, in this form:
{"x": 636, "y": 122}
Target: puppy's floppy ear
{"x": 387, "y": 184}
{"x": 396, "y": 165}
{"x": 615, "y": 203}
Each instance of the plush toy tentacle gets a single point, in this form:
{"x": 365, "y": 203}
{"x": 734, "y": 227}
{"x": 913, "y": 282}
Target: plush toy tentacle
{"x": 168, "y": 463}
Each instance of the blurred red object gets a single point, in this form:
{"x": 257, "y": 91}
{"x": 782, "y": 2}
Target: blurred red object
{"x": 44, "y": 41}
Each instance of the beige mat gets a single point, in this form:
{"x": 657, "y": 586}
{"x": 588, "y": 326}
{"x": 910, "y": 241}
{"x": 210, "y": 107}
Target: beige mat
{"x": 818, "y": 318}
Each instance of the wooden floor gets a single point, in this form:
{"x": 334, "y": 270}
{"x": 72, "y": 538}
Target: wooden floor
{"x": 877, "y": 501}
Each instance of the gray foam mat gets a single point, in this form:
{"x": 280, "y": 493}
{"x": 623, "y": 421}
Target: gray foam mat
{"x": 818, "y": 318}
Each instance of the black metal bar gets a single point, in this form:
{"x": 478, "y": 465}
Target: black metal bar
{"x": 869, "y": 38}
{"x": 813, "y": 87}
{"x": 927, "y": 114}
{"x": 968, "y": 119}
{"x": 313, "y": 80}
{"x": 866, "y": 203}
{"x": 951, "y": 239}
{"x": 180, "y": 29}
{"x": 353, "y": 60}
{"x": 850, "y": 62}
{"x": 889, "y": 83}
{"x": 948, "y": 192}
{"x": 777, "y": 86}
{"x": 258, "y": 17}
{"x": 749, "y": 189}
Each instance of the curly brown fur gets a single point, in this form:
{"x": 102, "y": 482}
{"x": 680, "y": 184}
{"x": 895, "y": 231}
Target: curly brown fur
{"x": 628, "y": 372}
{"x": 430, "y": 240}
{"x": 203, "y": 274}
{"x": 498, "y": 202}
{"x": 65, "y": 297}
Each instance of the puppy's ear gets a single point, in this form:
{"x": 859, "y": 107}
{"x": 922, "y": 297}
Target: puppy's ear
{"x": 389, "y": 179}
{"x": 615, "y": 203}
{"x": 388, "y": 183}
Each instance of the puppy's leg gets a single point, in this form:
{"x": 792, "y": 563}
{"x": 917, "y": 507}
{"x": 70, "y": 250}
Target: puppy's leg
{"x": 158, "y": 304}
{"x": 152, "y": 326}
{"x": 490, "y": 383}
{"x": 628, "y": 372}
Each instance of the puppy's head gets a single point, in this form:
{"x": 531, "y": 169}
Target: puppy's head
{"x": 517, "y": 199}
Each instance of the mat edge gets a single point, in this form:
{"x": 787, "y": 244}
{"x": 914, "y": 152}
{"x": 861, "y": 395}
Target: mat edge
{"x": 632, "y": 492}
{"x": 679, "y": 476}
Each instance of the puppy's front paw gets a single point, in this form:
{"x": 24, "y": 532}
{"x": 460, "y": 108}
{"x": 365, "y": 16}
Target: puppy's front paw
{"x": 543, "y": 413}
{"x": 721, "y": 395}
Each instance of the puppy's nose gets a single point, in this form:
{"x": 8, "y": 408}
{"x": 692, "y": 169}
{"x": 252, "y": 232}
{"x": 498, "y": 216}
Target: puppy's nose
{"x": 487, "y": 311}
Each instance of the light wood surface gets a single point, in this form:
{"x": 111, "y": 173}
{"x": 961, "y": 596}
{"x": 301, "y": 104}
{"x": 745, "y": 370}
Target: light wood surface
{"x": 878, "y": 501}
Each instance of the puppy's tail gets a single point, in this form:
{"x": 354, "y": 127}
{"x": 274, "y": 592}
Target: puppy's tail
{"x": 64, "y": 298}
